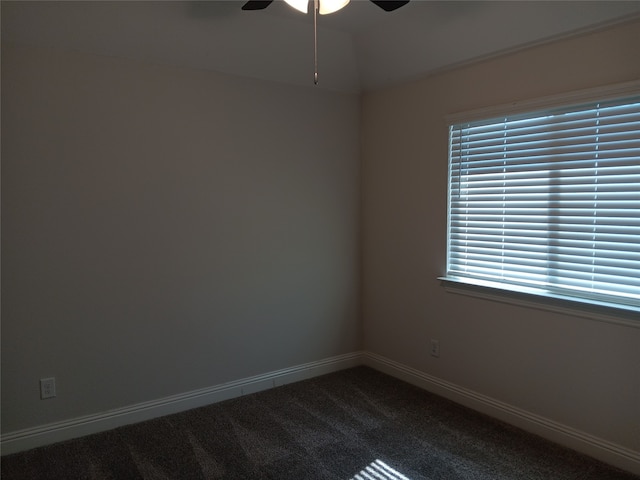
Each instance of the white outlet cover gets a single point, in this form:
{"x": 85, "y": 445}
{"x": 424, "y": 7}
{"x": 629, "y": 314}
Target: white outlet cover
{"x": 47, "y": 388}
{"x": 435, "y": 348}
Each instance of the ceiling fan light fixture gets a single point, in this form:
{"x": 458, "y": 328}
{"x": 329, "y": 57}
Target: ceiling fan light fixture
{"x": 330, "y": 6}
{"x": 300, "y": 5}
{"x": 325, "y": 7}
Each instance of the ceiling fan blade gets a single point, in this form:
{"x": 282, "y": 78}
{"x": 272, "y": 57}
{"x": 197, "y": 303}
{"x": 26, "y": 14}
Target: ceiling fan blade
{"x": 390, "y": 5}
{"x": 256, "y": 4}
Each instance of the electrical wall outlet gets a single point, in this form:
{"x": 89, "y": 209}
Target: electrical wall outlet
{"x": 435, "y": 348}
{"x": 47, "y": 388}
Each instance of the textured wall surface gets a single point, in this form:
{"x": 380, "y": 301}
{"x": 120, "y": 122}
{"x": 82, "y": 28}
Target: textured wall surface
{"x": 166, "y": 229}
{"x": 578, "y": 372}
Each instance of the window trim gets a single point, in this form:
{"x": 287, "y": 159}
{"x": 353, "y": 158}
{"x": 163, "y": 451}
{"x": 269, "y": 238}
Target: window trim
{"x": 604, "y": 93}
{"x": 540, "y": 300}
{"x": 529, "y": 297}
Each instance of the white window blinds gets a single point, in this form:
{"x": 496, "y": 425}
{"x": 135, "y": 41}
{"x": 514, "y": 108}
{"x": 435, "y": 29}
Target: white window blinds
{"x": 549, "y": 200}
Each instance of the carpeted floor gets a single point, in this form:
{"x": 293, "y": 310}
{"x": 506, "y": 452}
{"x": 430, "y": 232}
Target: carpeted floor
{"x": 355, "y": 424}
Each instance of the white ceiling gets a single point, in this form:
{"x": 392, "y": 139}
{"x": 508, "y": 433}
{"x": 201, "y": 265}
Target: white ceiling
{"x": 360, "y": 47}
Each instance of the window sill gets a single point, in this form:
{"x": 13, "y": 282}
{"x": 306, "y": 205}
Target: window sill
{"x": 600, "y": 311}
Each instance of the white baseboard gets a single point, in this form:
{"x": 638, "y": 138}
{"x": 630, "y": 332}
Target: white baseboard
{"x": 29, "y": 438}
{"x": 603, "y": 450}
{"x": 591, "y": 445}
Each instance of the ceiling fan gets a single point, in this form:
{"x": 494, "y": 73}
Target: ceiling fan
{"x": 386, "y": 5}
{"x": 323, "y": 7}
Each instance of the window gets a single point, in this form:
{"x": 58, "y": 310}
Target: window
{"x": 548, "y": 202}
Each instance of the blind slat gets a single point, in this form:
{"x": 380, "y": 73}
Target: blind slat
{"x": 549, "y": 199}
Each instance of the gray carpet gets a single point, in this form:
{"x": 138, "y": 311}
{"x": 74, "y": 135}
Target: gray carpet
{"x": 355, "y": 424}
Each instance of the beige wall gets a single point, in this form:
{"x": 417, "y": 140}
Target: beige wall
{"x": 582, "y": 373}
{"x": 165, "y": 230}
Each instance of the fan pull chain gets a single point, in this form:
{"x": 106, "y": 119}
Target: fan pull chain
{"x": 315, "y": 42}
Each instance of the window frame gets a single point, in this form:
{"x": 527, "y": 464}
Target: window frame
{"x": 530, "y": 297}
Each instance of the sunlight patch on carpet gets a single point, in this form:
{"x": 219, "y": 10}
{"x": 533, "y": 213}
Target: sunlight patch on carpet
{"x": 378, "y": 470}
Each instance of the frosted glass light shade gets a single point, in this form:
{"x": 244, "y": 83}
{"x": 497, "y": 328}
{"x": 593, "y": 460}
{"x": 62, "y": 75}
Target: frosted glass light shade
{"x": 325, "y": 6}
{"x": 330, "y": 6}
{"x": 300, "y": 5}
